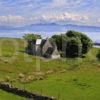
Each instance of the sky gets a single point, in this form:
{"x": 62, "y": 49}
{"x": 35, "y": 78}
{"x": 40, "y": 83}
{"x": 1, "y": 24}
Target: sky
{"x": 25, "y": 12}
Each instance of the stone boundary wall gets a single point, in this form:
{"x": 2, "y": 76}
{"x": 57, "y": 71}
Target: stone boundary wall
{"x": 23, "y": 93}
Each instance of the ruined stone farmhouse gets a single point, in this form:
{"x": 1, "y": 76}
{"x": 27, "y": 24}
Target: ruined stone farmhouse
{"x": 45, "y": 48}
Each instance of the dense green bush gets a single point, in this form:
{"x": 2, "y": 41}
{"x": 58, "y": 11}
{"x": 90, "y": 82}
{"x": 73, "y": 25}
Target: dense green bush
{"x": 72, "y": 33}
{"x": 86, "y": 43}
{"x": 98, "y": 54}
{"x": 85, "y": 40}
{"x": 72, "y": 43}
{"x": 31, "y": 37}
{"x": 74, "y": 48}
{"x": 58, "y": 40}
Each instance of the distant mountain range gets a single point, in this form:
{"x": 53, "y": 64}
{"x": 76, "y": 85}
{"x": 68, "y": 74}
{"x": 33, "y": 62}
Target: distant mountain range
{"x": 48, "y": 30}
{"x": 52, "y": 28}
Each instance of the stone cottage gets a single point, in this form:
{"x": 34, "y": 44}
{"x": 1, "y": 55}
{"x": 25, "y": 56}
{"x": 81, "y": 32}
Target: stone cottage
{"x": 45, "y": 48}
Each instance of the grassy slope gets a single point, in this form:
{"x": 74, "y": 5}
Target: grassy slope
{"x": 79, "y": 80}
{"x": 7, "y": 96}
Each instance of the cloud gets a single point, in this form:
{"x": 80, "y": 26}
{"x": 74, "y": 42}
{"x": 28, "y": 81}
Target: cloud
{"x": 57, "y": 3}
{"x": 64, "y": 17}
{"x": 64, "y": 3}
{"x": 58, "y": 18}
{"x": 47, "y": 11}
{"x": 12, "y": 19}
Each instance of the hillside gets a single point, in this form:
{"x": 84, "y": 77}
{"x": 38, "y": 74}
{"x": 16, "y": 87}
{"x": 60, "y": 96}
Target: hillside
{"x": 73, "y": 79}
{"x": 51, "y": 27}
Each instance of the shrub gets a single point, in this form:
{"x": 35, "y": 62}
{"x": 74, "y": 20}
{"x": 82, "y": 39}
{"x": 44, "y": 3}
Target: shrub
{"x": 58, "y": 40}
{"x": 85, "y": 40}
{"x": 73, "y": 43}
{"x": 31, "y": 37}
{"x": 86, "y": 43}
{"x": 98, "y": 54}
{"x": 72, "y": 33}
{"x": 74, "y": 48}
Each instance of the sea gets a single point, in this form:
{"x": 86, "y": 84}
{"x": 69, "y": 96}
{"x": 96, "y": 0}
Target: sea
{"x": 95, "y": 36}
{"x": 47, "y": 30}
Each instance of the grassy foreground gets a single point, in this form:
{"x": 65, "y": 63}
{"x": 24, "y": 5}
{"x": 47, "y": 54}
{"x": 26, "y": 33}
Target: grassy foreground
{"x": 66, "y": 79}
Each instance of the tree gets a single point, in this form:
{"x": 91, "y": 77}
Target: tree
{"x": 73, "y": 43}
{"x": 31, "y": 37}
{"x": 85, "y": 40}
{"x": 58, "y": 41}
{"x": 86, "y": 43}
{"x": 72, "y": 33}
{"x": 74, "y": 48}
{"x": 98, "y": 54}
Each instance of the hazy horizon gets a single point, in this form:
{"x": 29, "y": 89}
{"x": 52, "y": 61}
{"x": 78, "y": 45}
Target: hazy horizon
{"x": 17, "y": 16}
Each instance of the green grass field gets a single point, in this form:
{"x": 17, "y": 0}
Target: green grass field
{"x": 66, "y": 79}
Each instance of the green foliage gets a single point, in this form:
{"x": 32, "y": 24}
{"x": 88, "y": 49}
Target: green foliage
{"x": 65, "y": 43}
{"x": 74, "y": 48}
{"x": 31, "y": 37}
{"x": 72, "y": 33}
{"x": 98, "y": 54}
{"x": 85, "y": 40}
{"x": 86, "y": 43}
{"x": 80, "y": 43}
{"x": 58, "y": 40}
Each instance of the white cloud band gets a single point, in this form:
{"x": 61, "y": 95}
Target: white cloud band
{"x": 61, "y": 18}
{"x": 12, "y": 19}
